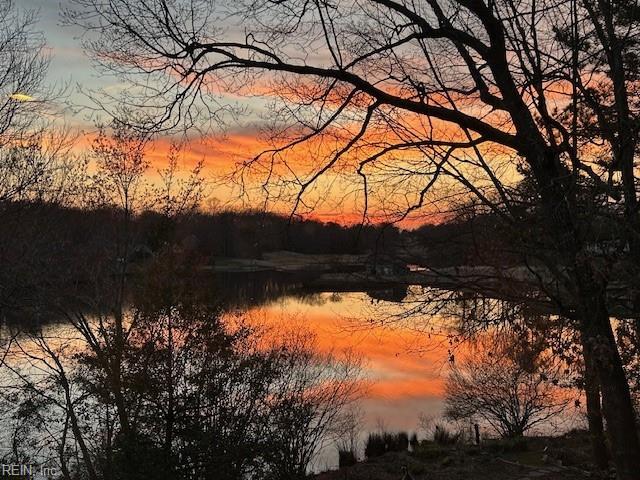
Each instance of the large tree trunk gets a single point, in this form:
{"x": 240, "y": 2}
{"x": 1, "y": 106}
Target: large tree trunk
{"x": 594, "y": 409}
{"x": 589, "y": 288}
{"x": 616, "y": 399}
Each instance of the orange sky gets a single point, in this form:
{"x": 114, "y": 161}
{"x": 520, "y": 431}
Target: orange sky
{"x": 336, "y": 196}
{"x": 335, "y": 199}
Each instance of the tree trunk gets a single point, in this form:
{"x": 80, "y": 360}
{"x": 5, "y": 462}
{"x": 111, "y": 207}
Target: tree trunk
{"x": 616, "y": 399}
{"x": 72, "y": 418}
{"x": 594, "y": 409}
{"x": 589, "y": 289}
{"x": 75, "y": 428}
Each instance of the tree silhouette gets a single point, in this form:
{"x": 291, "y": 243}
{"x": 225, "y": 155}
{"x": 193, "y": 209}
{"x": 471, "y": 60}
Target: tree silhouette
{"x": 511, "y": 388}
{"x": 430, "y": 99}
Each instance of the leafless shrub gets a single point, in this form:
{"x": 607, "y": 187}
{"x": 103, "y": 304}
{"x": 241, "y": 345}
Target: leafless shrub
{"x": 506, "y": 384}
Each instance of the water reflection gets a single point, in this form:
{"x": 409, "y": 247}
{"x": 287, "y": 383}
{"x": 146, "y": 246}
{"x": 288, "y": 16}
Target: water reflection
{"x": 405, "y": 369}
{"x": 403, "y": 334}
{"x": 403, "y": 337}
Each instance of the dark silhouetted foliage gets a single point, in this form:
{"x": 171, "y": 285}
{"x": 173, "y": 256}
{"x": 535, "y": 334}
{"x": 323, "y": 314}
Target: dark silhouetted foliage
{"x": 413, "y": 441}
{"x": 346, "y": 458}
{"x": 443, "y": 436}
{"x": 380, "y": 443}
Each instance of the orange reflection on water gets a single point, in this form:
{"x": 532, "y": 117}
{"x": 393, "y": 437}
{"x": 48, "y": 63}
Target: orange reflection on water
{"x": 399, "y": 364}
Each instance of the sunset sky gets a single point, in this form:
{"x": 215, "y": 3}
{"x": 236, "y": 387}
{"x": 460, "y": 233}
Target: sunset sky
{"x": 336, "y": 196}
{"x": 400, "y": 376}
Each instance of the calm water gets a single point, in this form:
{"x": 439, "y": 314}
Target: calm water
{"x": 405, "y": 338}
{"x": 405, "y": 368}
{"x": 405, "y": 359}
{"x": 403, "y": 346}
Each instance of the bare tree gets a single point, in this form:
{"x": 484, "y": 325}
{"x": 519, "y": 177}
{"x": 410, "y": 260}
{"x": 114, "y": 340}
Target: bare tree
{"x": 315, "y": 392}
{"x": 37, "y": 167}
{"x": 102, "y": 325}
{"x": 23, "y": 63}
{"x": 40, "y": 168}
{"x": 43, "y": 406}
{"x": 205, "y": 397}
{"x": 410, "y": 96}
{"x": 510, "y": 389}
{"x": 30, "y": 148}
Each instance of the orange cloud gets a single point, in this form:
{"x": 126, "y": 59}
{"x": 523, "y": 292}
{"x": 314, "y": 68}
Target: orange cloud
{"x": 337, "y": 194}
{"x": 406, "y": 388}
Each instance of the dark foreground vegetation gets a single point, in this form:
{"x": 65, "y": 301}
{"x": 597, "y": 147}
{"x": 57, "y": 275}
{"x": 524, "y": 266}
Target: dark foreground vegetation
{"x": 545, "y": 458}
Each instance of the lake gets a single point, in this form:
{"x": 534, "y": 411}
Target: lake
{"x": 404, "y": 337}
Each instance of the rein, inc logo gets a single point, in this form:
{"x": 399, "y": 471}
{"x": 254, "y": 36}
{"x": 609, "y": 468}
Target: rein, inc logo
{"x": 27, "y": 471}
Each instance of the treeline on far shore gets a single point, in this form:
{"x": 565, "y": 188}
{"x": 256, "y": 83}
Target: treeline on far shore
{"x": 83, "y": 234}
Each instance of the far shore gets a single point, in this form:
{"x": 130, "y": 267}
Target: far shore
{"x": 343, "y": 272}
